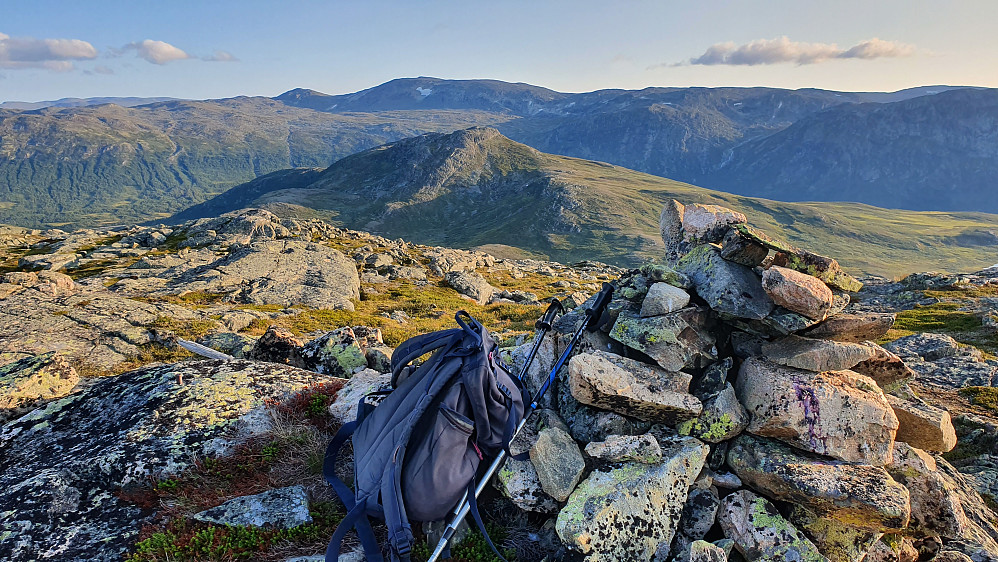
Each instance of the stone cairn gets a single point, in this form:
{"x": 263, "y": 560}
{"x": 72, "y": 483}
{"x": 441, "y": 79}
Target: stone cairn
{"x": 730, "y": 410}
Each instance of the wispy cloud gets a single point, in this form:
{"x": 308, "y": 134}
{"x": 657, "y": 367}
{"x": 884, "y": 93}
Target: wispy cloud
{"x": 99, "y": 69}
{"x": 52, "y": 54}
{"x": 220, "y": 56}
{"x": 782, "y": 49}
{"x": 156, "y": 52}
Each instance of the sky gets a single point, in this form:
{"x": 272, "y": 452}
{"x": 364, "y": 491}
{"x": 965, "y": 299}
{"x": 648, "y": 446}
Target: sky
{"x": 223, "y": 48}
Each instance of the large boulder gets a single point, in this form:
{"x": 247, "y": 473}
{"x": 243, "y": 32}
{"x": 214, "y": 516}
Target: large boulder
{"x": 761, "y": 533}
{"x": 63, "y": 465}
{"x": 857, "y": 495}
{"x": 278, "y": 345}
{"x": 841, "y": 414}
{"x": 626, "y": 513}
{"x": 336, "y": 353}
{"x": 728, "y": 287}
{"x": 471, "y": 285}
{"x": 631, "y": 388}
{"x": 673, "y": 340}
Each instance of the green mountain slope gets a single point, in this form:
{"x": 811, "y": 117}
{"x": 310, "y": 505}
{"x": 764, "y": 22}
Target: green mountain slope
{"x": 109, "y": 164}
{"x": 477, "y": 187}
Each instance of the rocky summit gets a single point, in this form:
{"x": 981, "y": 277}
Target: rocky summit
{"x": 744, "y": 400}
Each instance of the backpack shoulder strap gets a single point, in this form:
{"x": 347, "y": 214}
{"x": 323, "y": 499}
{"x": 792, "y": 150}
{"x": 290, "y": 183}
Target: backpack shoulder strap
{"x": 417, "y": 346}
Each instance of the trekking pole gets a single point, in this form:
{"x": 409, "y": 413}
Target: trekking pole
{"x": 593, "y": 315}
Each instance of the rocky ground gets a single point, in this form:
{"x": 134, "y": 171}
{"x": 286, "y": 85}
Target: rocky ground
{"x": 747, "y": 400}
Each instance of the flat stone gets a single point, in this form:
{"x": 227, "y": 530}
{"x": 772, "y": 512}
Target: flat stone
{"x": 816, "y": 355}
{"x": 761, "y": 533}
{"x": 825, "y": 269}
{"x": 857, "y": 495}
{"x": 853, "y": 327}
{"x": 884, "y": 367}
{"x": 797, "y": 292}
{"x": 922, "y": 425}
{"x": 673, "y": 340}
{"x": 636, "y": 390}
{"x": 723, "y": 417}
{"x": 663, "y": 298}
{"x": 624, "y": 448}
{"x": 841, "y": 414}
{"x": 625, "y": 513}
{"x": 741, "y": 250}
{"x": 727, "y": 287}
{"x": 280, "y": 508}
{"x": 708, "y": 223}
{"x": 42, "y": 377}
{"x": 558, "y": 462}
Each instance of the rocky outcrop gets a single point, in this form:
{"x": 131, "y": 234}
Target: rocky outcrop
{"x": 35, "y": 378}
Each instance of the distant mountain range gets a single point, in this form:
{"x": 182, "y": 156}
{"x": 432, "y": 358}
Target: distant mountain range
{"x": 81, "y": 102}
{"x": 930, "y": 148}
{"x": 476, "y": 187}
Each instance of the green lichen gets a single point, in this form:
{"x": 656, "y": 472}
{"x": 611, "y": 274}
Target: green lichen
{"x": 765, "y": 516}
{"x": 708, "y": 427}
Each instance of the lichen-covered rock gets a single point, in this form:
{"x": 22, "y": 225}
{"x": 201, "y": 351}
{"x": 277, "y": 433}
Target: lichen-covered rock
{"x": 670, "y": 225}
{"x": 279, "y": 508}
{"x": 625, "y": 513}
{"x": 857, "y": 495}
{"x": 727, "y": 287}
{"x": 980, "y": 539}
{"x": 703, "y": 551}
{"x": 230, "y": 343}
{"x": 631, "y": 388}
{"x": 708, "y": 223}
{"x": 761, "y": 533}
{"x": 624, "y": 448}
{"x": 892, "y": 548}
{"x": 518, "y": 481}
{"x": 824, "y": 268}
{"x": 344, "y": 408}
{"x": 278, "y": 345}
{"x": 41, "y": 377}
{"x": 853, "y": 327}
{"x": 928, "y": 346}
{"x": 935, "y": 508}
{"x": 663, "y": 298}
{"x": 797, "y": 292}
{"x": 723, "y": 417}
{"x": 814, "y": 354}
{"x": 836, "y": 413}
{"x": 62, "y": 465}
{"x": 698, "y": 517}
{"x": 558, "y": 462}
{"x": 835, "y": 540}
{"x": 471, "y": 285}
{"x": 379, "y": 358}
{"x": 661, "y": 273}
{"x": 922, "y": 425}
{"x": 740, "y": 249}
{"x": 884, "y": 367}
{"x": 336, "y": 353}
{"x": 673, "y": 340}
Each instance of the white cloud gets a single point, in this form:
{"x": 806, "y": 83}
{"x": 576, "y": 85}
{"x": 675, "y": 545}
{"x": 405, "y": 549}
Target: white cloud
{"x": 221, "y": 56}
{"x": 156, "y": 52}
{"x": 782, "y": 49}
{"x": 52, "y": 54}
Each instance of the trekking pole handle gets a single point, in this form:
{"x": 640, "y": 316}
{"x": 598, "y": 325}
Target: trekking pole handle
{"x": 595, "y": 312}
{"x": 553, "y": 310}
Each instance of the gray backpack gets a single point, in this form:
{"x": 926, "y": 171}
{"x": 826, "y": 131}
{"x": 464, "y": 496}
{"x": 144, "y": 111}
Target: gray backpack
{"x": 416, "y": 453}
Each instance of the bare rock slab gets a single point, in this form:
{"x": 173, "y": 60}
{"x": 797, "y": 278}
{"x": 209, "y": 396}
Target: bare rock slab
{"x": 857, "y": 495}
{"x": 841, "y": 414}
{"x": 797, "y": 292}
{"x": 631, "y": 388}
{"x": 625, "y": 513}
{"x": 281, "y": 508}
{"x": 761, "y": 533}
{"x": 815, "y": 354}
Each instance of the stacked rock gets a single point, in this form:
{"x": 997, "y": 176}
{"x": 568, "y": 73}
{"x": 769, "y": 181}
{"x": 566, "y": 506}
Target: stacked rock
{"x": 730, "y": 409}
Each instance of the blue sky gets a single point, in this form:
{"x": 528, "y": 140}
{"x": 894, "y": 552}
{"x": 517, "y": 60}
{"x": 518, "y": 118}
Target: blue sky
{"x": 51, "y": 50}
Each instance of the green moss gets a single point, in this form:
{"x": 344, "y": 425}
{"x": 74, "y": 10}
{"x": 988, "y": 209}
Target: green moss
{"x": 945, "y": 318}
{"x": 984, "y": 396}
